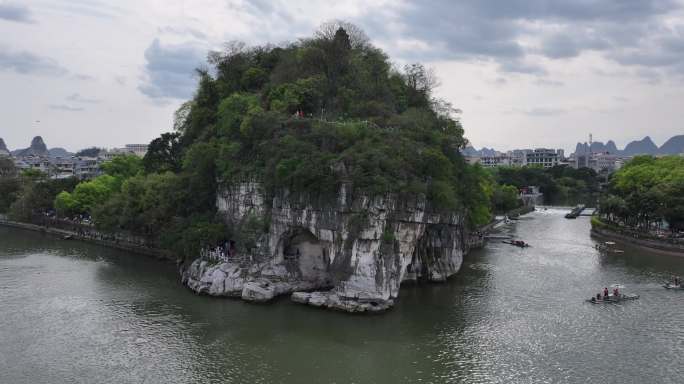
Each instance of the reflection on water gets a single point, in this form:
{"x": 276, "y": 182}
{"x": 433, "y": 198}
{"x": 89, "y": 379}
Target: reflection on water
{"x": 74, "y": 312}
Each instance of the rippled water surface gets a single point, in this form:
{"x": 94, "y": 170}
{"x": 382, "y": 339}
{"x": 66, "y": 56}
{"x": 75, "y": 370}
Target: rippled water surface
{"x": 76, "y": 313}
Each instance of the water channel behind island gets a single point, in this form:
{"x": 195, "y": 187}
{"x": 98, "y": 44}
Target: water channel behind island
{"x": 77, "y": 313}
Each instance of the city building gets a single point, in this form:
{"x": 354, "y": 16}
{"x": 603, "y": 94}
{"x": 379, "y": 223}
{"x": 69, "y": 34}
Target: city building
{"x": 61, "y": 168}
{"x": 531, "y": 196}
{"x": 41, "y": 164}
{"x": 137, "y": 149}
{"x": 87, "y": 167}
{"x": 519, "y": 157}
{"x": 472, "y": 160}
{"x": 495, "y": 161}
{"x": 561, "y": 154}
{"x": 130, "y": 149}
{"x": 582, "y": 160}
{"x": 605, "y": 162}
{"x": 546, "y": 158}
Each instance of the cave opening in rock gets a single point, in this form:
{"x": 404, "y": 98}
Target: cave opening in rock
{"x": 306, "y": 255}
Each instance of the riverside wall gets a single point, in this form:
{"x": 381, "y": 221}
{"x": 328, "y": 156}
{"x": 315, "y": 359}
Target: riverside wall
{"x": 665, "y": 247}
{"x": 123, "y": 242}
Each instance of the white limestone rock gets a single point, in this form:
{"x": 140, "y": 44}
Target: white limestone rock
{"x": 350, "y": 253}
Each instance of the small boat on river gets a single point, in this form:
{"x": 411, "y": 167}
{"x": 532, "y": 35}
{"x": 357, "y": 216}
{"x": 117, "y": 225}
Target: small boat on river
{"x": 517, "y": 243}
{"x": 608, "y": 247}
{"x": 612, "y": 298}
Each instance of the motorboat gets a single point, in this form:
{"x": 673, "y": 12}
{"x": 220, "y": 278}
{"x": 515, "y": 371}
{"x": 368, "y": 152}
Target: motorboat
{"x": 608, "y": 246}
{"x": 674, "y": 286}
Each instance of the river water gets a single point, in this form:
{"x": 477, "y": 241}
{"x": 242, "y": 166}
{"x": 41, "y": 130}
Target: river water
{"x": 76, "y": 313}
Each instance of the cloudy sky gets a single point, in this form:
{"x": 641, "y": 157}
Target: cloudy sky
{"x": 526, "y": 73}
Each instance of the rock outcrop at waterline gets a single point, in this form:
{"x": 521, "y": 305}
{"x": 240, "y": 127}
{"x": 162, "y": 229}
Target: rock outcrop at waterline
{"x": 350, "y": 254}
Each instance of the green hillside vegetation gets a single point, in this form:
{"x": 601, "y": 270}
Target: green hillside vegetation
{"x": 646, "y": 192}
{"x": 306, "y": 117}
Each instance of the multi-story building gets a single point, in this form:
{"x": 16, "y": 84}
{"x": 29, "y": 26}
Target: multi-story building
{"x": 519, "y": 157}
{"x": 130, "y": 149}
{"x": 137, "y": 149}
{"x": 495, "y": 161}
{"x": 61, "y": 168}
{"x": 531, "y": 196}
{"x": 546, "y": 158}
{"x": 472, "y": 160}
{"x": 561, "y": 154}
{"x": 605, "y": 162}
{"x": 87, "y": 167}
{"x": 33, "y": 162}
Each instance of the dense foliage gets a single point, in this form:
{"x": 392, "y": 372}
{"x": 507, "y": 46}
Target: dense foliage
{"x": 306, "y": 117}
{"x": 89, "y": 152}
{"x": 560, "y": 185}
{"x": 9, "y": 184}
{"x": 647, "y": 192}
{"x": 37, "y": 194}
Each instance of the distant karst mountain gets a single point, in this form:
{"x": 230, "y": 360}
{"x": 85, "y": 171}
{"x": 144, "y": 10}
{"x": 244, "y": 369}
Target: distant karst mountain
{"x": 3, "y": 147}
{"x": 597, "y": 147}
{"x": 472, "y": 152}
{"x": 59, "y": 152}
{"x": 673, "y": 146}
{"x": 645, "y": 146}
{"x": 38, "y": 148}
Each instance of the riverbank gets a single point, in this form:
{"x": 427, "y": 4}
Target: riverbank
{"x": 602, "y": 230}
{"x": 75, "y": 235}
{"x": 513, "y": 213}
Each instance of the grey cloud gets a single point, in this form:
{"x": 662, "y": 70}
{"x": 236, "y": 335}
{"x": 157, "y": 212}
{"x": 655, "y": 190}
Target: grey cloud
{"x": 28, "y": 63}
{"x": 549, "y": 83}
{"x": 15, "y": 12}
{"x": 92, "y": 8}
{"x": 542, "y": 111}
{"x": 490, "y": 30}
{"x": 174, "y": 30}
{"x": 569, "y": 44}
{"x": 80, "y": 76}
{"x": 574, "y": 10}
{"x": 64, "y": 107}
{"x": 77, "y": 98}
{"x": 517, "y": 66}
{"x": 170, "y": 70}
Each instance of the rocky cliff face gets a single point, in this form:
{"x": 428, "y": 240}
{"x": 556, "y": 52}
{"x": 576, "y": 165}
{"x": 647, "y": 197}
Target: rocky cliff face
{"x": 350, "y": 254}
